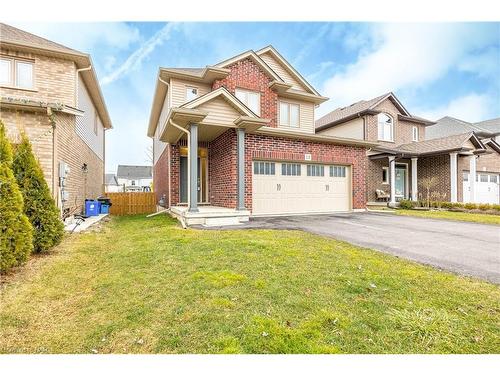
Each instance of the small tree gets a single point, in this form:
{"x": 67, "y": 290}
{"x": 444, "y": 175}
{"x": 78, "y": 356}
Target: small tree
{"x": 16, "y": 232}
{"x": 39, "y": 205}
{"x": 428, "y": 183}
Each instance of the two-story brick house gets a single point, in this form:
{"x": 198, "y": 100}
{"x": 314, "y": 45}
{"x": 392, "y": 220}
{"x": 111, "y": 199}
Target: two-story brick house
{"x": 51, "y": 93}
{"x": 238, "y": 138}
{"x": 403, "y": 157}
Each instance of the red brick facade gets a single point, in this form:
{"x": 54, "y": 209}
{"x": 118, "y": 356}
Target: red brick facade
{"x": 245, "y": 74}
{"x": 160, "y": 176}
{"x": 223, "y": 172}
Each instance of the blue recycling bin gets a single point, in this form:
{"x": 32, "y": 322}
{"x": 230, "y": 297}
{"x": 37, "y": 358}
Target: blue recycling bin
{"x": 91, "y": 207}
{"x": 104, "y": 208}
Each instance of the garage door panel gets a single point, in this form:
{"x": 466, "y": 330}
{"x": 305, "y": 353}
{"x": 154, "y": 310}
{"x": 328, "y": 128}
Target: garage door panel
{"x": 282, "y": 194}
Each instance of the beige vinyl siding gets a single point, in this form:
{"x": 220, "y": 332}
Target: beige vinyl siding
{"x": 306, "y": 116}
{"x": 85, "y": 123}
{"x": 219, "y": 112}
{"x": 178, "y": 90}
{"x": 280, "y": 70}
{"x": 350, "y": 129}
{"x": 159, "y": 146}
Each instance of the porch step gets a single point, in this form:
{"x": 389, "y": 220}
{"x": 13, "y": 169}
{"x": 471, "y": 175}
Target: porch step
{"x": 210, "y": 216}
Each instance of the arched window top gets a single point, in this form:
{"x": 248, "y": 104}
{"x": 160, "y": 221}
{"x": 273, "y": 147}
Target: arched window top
{"x": 385, "y": 127}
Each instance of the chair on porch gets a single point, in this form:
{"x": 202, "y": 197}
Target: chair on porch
{"x": 382, "y": 195}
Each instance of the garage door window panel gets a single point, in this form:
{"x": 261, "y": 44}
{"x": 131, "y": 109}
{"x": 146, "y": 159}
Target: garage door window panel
{"x": 288, "y": 169}
{"x": 264, "y": 168}
{"x": 314, "y": 170}
{"x": 337, "y": 171}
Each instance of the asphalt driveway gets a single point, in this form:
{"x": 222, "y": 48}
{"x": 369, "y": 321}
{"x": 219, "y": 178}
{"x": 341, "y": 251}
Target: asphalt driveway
{"x": 464, "y": 248}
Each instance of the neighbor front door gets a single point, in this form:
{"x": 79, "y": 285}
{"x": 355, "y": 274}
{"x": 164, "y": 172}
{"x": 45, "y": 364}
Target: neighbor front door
{"x": 400, "y": 185}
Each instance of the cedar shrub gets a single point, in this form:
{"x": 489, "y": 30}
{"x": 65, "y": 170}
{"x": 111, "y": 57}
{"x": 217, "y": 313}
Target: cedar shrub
{"x": 39, "y": 206}
{"x": 16, "y": 232}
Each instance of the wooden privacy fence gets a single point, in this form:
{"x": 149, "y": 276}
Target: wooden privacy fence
{"x": 132, "y": 203}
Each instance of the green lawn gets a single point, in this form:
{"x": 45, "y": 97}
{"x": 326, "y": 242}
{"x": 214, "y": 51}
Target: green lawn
{"x": 451, "y": 215}
{"x": 148, "y": 286}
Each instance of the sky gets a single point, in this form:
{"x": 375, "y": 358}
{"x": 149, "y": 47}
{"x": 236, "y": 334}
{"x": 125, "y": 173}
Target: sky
{"x": 435, "y": 69}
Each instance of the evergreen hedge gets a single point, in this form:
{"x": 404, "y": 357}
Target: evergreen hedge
{"x": 39, "y": 206}
{"x": 16, "y": 232}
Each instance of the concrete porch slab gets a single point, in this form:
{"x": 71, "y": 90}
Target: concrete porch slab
{"x": 210, "y": 216}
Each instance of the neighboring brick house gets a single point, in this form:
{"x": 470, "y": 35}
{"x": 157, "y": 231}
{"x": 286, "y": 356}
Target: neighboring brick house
{"x": 238, "y": 139}
{"x": 51, "y": 93}
{"x": 404, "y": 155}
{"x": 487, "y": 164}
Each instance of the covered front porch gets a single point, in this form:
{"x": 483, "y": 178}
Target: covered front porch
{"x": 207, "y": 164}
{"x": 404, "y": 172}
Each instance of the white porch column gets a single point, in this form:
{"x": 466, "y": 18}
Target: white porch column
{"x": 472, "y": 179}
{"x": 414, "y": 180}
{"x": 453, "y": 177}
{"x": 193, "y": 169}
{"x": 240, "y": 134}
{"x": 392, "y": 178}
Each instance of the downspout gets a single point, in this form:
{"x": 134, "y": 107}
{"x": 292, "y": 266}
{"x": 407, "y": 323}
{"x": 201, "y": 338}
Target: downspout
{"x": 168, "y": 156}
{"x": 189, "y": 157}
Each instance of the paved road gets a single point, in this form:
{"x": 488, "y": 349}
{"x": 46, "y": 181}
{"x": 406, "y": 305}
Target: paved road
{"x": 465, "y": 248}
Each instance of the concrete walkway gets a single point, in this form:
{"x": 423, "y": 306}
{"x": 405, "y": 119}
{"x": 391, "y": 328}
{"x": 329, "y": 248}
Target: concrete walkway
{"x": 461, "y": 247}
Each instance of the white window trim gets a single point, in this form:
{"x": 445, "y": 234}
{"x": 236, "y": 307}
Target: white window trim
{"x": 289, "y": 105}
{"x": 13, "y": 73}
{"x": 246, "y": 92}
{"x": 415, "y": 133}
{"x": 392, "y": 128}
{"x": 386, "y": 181}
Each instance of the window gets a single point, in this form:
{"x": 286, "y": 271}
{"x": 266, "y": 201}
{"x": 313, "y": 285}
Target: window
{"x": 415, "y": 134}
{"x": 132, "y": 183}
{"x": 337, "y": 171}
{"x": 465, "y": 176}
{"x": 385, "y": 175}
{"x": 289, "y": 114}
{"x": 191, "y": 93}
{"x": 250, "y": 98}
{"x": 315, "y": 170}
{"x": 95, "y": 123}
{"x": 290, "y": 169}
{"x": 264, "y": 167}
{"x": 385, "y": 127}
{"x": 5, "y": 72}
{"x": 483, "y": 178}
{"x": 24, "y": 74}
{"x": 494, "y": 178}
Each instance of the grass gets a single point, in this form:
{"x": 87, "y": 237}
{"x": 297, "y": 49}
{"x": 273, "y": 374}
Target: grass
{"x": 453, "y": 215}
{"x": 148, "y": 286}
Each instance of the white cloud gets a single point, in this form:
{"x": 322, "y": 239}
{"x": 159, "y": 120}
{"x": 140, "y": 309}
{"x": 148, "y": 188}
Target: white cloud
{"x": 136, "y": 58}
{"x": 84, "y": 36}
{"x": 473, "y": 108}
{"x": 405, "y": 56}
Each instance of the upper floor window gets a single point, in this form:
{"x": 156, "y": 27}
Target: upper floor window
{"x": 385, "y": 127}
{"x": 250, "y": 98}
{"x": 18, "y": 73}
{"x": 415, "y": 134}
{"x": 191, "y": 93}
{"x": 289, "y": 114}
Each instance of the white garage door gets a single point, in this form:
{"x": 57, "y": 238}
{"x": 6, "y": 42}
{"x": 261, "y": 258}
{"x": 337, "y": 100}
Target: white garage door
{"x": 487, "y": 188}
{"x": 282, "y": 188}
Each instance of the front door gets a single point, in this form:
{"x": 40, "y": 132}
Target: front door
{"x": 400, "y": 185}
{"x": 202, "y": 180}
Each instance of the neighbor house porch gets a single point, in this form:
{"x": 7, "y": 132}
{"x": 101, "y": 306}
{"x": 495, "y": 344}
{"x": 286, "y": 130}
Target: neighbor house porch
{"x": 406, "y": 171}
